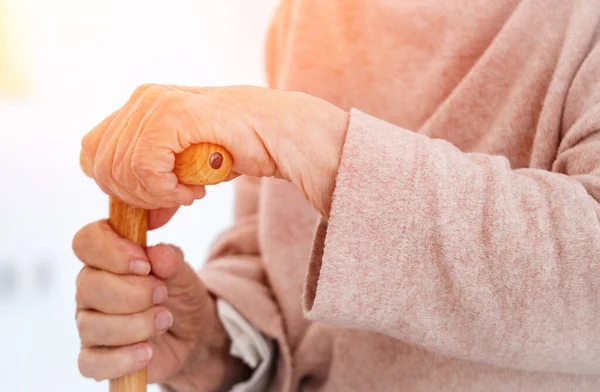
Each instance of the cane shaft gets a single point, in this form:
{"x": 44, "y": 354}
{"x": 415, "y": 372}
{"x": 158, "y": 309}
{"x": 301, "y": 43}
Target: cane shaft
{"x": 130, "y": 223}
{"x": 201, "y": 164}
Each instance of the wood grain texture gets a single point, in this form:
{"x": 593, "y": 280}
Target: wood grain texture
{"x": 135, "y": 382}
{"x": 193, "y": 166}
{"x": 131, "y": 223}
{"x": 200, "y": 164}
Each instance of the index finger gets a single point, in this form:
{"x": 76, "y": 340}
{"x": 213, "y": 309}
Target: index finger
{"x": 98, "y": 245}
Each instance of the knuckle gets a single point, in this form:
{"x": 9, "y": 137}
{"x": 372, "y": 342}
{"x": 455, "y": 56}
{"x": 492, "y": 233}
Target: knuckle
{"x": 171, "y": 98}
{"x": 141, "y": 90}
{"x": 79, "y": 241}
{"x": 150, "y": 95}
{"x": 88, "y": 333}
{"x": 86, "y": 236}
{"x": 164, "y": 105}
{"x": 117, "y": 172}
{"x": 80, "y": 284}
{"x": 83, "y": 328}
{"x": 79, "y": 298}
{"x": 87, "y": 285}
{"x": 102, "y": 170}
{"x": 88, "y": 143}
{"x": 84, "y": 365}
{"x": 84, "y": 164}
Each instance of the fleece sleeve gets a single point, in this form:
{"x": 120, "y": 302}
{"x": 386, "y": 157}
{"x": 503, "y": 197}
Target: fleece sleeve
{"x": 460, "y": 254}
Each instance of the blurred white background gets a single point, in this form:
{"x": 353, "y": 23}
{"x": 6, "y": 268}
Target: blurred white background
{"x": 85, "y": 58}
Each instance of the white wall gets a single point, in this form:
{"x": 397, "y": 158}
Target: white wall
{"x": 88, "y": 57}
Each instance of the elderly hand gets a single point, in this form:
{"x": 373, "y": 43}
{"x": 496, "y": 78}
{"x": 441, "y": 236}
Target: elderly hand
{"x": 129, "y": 320}
{"x": 284, "y": 134}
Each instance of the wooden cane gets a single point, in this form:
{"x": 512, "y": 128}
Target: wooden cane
{"x": 200, "y": 164}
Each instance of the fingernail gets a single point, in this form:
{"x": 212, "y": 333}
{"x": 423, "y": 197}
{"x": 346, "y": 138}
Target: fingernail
{"x": 143, "y": 354}
{"x": 140, "y": 267}
{"x": 164, "y": 320}
{"x": 171, "y": 250}
{"x": 159, "y": 295}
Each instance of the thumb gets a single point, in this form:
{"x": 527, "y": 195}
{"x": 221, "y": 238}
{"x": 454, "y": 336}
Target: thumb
{"x": 168, "y": 264}
{"x": 192, "y": 307}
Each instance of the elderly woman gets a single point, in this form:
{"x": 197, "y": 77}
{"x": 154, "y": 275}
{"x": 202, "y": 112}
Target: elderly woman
{"x": 417, "y": 209}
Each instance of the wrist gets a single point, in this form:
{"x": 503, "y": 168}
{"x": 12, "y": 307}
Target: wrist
{"x": 232, "y": 370}
{"x": 303, "y": 136}
{"x": 339, "y": 128}
{"x": 228, "y": 370}
{"x": 310, "y": 157}
{"x": 326, "y": 157}
{"x": 210, "y": 367}
{"x": 224, "y": 371}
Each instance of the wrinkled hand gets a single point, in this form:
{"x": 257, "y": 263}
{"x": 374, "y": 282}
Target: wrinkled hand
{"x": 284, "y": 134}
{"x": 129, "y": 320}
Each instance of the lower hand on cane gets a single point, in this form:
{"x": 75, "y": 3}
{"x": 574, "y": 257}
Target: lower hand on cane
{"x": 128, "y": 320}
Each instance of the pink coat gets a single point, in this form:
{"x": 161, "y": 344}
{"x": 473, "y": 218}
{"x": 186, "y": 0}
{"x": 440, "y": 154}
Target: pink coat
{"x": 463, "y": 248}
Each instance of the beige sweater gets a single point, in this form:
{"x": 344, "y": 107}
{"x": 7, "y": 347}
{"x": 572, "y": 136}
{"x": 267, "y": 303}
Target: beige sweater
{"x": 463, "y": 248}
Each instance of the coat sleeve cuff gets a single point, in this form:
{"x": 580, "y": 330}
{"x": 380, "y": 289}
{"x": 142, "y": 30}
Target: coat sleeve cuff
{"x": 249, "y": 345}
{"x": 336, "y": 289}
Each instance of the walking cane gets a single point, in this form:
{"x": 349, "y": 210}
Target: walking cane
{"x": 200, "y": 164}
